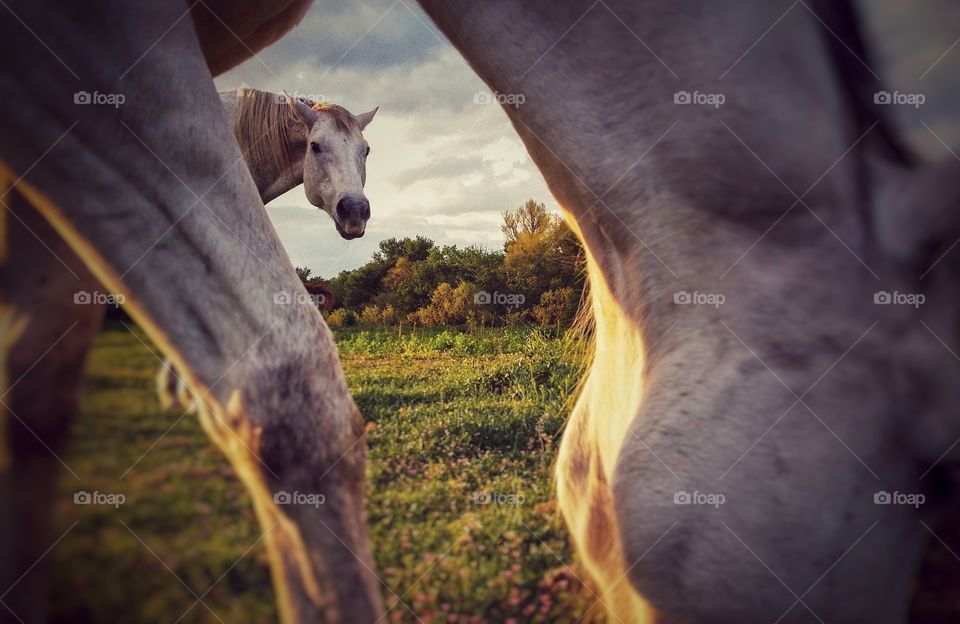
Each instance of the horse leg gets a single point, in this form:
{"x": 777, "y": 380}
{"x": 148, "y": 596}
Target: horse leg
{"x": 45, "y": 350}
{"x": 154, "y": 198}
{"x": 795, "y": 516}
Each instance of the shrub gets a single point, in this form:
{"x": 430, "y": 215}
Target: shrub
{"x": 370, "y": 316}
{"x": 448, "y": 305}
{"x": 341, "y": 317}
{"x": 558, "y": 306}
{"x": 390, "y": 316}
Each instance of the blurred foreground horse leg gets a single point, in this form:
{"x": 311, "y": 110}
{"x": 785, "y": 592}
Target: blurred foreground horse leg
{"x": 50, "y": 316}
{"x": 123, "y": 148}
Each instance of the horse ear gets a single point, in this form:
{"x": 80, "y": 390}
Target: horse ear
{"x": 301, "y": 111}
{"x": 364, "y": 119}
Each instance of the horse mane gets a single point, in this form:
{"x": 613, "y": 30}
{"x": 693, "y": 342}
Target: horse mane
{"x": 262, "y": 127}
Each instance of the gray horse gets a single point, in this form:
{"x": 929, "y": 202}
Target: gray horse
{"x": 768, "y": 431}
{"x": 287, "y": 142}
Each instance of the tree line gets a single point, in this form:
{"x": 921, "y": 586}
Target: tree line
{"x": 537, "y": 277}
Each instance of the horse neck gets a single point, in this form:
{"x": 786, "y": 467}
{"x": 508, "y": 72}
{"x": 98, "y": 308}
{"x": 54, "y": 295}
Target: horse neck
{"x": 271, "y": 179}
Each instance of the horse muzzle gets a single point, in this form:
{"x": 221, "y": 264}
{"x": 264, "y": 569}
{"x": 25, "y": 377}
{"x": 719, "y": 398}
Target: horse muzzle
{"x": 351, "y": 216}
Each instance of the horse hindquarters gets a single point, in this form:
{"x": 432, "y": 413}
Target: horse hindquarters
{"x": 44, "y": 286}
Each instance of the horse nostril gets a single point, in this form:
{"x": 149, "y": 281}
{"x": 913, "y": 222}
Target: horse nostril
{"x": 353, "y": 207}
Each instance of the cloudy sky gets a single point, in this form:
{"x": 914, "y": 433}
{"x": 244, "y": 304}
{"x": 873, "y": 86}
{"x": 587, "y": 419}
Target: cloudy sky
{"x": 444, "y": 166}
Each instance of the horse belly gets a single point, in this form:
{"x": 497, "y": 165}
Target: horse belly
{"x": 231, "y": 31}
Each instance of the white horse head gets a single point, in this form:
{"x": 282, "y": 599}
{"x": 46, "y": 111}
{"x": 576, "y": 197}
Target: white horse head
{"x": 335, "y": 163}
{"x": 289, "y": 141}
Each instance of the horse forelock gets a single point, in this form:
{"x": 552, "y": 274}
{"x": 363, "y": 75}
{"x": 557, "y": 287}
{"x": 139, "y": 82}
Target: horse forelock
{"x": 343, "y": 118}
{"x": 263, "y": 127}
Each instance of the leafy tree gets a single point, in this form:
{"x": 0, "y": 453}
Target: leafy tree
{"x": 303, "y": 273}
{"x": 529, "y": 218}
{"x": 544, "y": 256}
{"x": 362, "y": 286}
{"x": 392, "y": 249}
{"x": 400, "y": 273}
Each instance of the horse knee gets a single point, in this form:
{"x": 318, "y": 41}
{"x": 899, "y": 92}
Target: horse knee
{"x": 296, "y": 438}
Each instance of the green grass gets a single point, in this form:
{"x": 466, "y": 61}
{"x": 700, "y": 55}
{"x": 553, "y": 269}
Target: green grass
{"x": 451, "y": 413}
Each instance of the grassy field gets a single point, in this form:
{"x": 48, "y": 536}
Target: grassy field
{"x": 454, "y": 418}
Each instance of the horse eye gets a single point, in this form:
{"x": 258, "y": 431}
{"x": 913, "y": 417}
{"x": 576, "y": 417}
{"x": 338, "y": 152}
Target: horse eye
{"x": 315, "y": 147}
